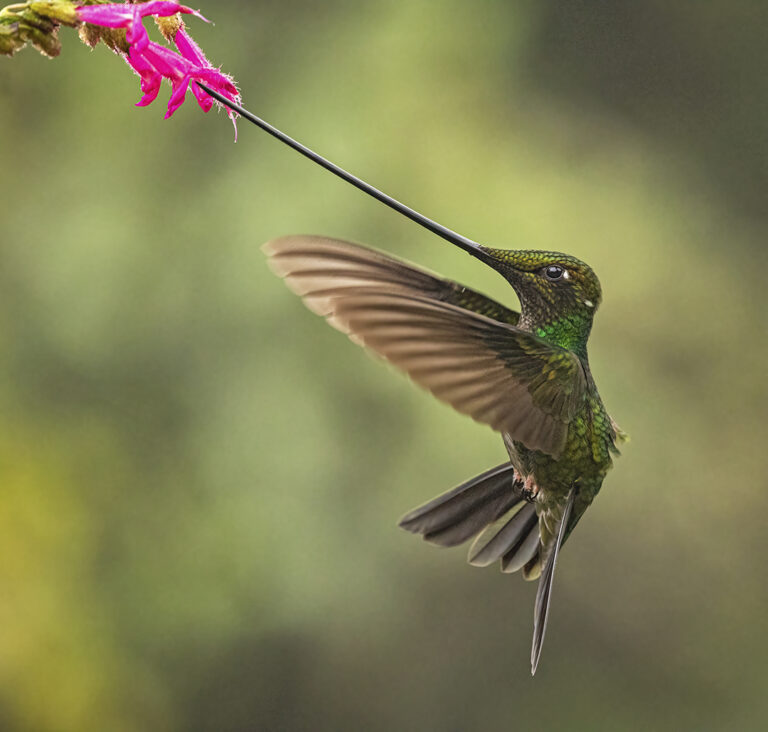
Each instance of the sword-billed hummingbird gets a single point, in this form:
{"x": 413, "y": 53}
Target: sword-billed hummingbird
{"x": 524, "y": 374}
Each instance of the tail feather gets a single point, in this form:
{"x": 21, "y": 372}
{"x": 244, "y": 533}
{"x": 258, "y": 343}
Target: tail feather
{"x": 523, "y": 552}
{"x": 544, "y": 592}
{"x": 461, "y": 513}
{"x": 495, "y": 543}
{"x": 532, "y": 568}
{"x": 492, "y": 508}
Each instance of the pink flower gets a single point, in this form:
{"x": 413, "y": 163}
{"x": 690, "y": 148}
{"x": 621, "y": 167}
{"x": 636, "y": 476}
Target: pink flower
{"x": 154, "y": 62}
{"x": 122, "y": 15}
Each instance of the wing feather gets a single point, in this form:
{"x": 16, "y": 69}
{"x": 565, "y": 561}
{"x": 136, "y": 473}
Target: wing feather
{"x": 310, "y": 262}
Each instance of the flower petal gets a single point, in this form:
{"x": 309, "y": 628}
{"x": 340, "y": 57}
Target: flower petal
{"x": 165, "y": 9}
{"x": 177, "y": 96}
{"x": 136, "y": 33}
{"x": 168, "y": 63}
{"x": 189, "y": 49}
{"x": 150, "y": 78}
{"x": 204, "y": 100}
{"x": 107, "y": 16}
{"x": 121, "y": 15}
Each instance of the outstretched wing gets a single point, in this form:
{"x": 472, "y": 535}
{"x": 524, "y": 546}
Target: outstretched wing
{"x": 310, "y": 263}
{"x": 488, "y": 369}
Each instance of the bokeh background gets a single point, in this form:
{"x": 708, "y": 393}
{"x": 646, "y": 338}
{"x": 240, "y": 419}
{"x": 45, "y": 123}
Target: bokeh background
{"x": 200, "y": 481}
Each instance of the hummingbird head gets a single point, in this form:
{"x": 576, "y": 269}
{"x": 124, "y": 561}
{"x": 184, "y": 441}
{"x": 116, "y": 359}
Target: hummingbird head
{"x": 558, "y": 293}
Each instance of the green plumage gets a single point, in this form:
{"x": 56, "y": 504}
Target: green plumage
{"x": 524, "y": 374}
{"x": 561, "y": 313}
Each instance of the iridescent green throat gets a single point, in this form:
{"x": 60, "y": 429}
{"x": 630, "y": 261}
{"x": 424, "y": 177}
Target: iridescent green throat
{"x": 568, "y": 331}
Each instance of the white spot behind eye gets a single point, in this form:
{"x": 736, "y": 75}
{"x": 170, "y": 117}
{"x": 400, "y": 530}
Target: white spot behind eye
{"x": 565, "y": 274}
{"x": 589, "y": 303}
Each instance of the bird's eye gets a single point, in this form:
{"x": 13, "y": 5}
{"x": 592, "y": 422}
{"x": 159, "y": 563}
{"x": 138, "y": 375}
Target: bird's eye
{"x": 554, "y": 272}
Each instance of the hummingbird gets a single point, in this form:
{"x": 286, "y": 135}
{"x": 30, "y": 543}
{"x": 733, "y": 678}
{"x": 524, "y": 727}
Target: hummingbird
{"x": 525, "y": 374}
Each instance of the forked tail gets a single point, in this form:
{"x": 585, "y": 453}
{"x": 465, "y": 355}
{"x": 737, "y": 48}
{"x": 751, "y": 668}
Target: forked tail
{"x": 491, "y": 508}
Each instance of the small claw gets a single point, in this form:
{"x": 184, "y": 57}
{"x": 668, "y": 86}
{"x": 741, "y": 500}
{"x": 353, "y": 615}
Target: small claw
{"x": 530, "y": 490}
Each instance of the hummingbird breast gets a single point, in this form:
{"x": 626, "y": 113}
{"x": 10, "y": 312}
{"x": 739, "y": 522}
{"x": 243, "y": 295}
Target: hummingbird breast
{"x": 584, "y": 461}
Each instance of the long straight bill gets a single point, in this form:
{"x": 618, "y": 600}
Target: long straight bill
{"x": 460, "y": 241}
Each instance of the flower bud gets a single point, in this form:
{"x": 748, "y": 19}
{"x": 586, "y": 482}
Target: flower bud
{"x": 61, "y": 12}
{"x": 10, "y": 40}
{"x": 46, "y": 42}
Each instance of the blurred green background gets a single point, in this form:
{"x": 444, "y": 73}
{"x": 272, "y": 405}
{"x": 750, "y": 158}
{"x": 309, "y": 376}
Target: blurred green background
{"x": 200, "y": 480}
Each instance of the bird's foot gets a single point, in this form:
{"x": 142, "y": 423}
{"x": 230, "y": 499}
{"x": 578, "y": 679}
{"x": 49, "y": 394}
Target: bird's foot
{"x": 530, "y": 490}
